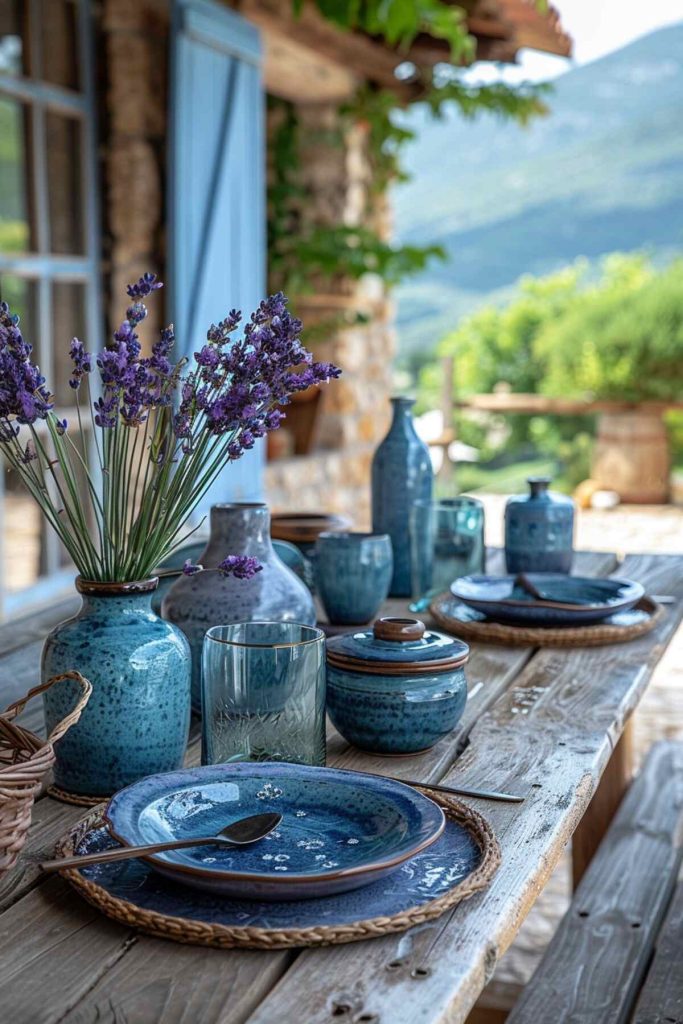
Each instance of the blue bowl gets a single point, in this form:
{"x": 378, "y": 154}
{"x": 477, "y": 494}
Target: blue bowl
{"x": 340, "y": 830}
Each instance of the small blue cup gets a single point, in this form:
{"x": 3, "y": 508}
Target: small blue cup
{"x": 352, "y": 574}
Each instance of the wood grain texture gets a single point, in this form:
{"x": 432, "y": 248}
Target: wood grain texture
{"x": 661, "y": 998}
{"x": 596, "y": 961}
{"x": 552, "y": 731}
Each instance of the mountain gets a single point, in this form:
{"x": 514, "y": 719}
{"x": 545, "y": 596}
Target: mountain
{"x": 603, "y": 172}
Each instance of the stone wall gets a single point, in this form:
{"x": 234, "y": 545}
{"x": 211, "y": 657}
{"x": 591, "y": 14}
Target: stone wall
{"x": 335, "y": 179}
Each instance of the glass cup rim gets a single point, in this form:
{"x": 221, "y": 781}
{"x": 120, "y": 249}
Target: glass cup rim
{"x": 460, "y": 501}
{"x": 348, "y": 536}
{"x": 319, "y": 635}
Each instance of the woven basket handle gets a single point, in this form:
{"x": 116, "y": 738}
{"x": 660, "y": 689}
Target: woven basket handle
{"x": 86, "y": 689}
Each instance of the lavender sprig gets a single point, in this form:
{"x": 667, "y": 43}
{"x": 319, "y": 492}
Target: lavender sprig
{"x": 163, "y": 430}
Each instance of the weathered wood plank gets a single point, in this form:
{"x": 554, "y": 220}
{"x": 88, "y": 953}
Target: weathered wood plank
{"x": 25, "y": 630}
{"x": 45, "y": 929}
{"x": 553, "y": 731}
{"x": 595, "y": 963}
{"x": 661, "y": 998}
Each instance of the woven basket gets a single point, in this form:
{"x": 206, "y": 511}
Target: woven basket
{"x": 25, "y": 759}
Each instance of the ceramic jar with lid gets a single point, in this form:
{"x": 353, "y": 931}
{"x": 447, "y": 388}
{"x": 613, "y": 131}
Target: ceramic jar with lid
{"x": 396, "y": 688}
{"x": 539, "y": 530}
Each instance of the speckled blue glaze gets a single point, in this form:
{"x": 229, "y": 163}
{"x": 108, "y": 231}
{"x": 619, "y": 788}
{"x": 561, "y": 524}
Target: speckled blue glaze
{"x": 498, "y": 598}
{"x": 455, "y": 609}
{"x": 401, "y": 474}
{"x": 387, "y": 713}
{"x": 352, "y": 574}
{"x": 137, "y": 719}
{"x": 339, "y": 830}
{"x": 539, "y": 530}
{"x": 430, "y": 874}
{"x": 276, "y": 594}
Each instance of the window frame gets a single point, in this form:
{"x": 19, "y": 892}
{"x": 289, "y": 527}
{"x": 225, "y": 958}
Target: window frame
{"x": 45, "y": 268}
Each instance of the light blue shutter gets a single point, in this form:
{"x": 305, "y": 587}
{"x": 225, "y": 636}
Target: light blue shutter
{"x": 217, "y": 249}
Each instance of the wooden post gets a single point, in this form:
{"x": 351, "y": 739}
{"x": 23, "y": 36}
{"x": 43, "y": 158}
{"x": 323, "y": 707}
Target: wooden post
{"x": 614, "y": 782}
{"x": 447, "y": 406}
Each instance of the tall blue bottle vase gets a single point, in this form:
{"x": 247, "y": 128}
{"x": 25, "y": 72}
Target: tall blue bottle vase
{"x": 137, "y": 719}
{"x": 275, "y": 594}
{"x": 401, "y": 474}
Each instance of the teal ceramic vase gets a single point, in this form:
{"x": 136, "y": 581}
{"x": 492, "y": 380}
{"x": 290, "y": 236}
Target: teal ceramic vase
{"x": 401, "y": 475}
{"x": 137, "y": 720}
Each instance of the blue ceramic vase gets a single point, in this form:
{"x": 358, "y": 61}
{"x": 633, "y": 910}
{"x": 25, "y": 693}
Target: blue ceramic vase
{"x": 137, "y": 719}
{"x": 401, "y": 474}
{"x": 352, "y": 575}
{"x": 276, "y": 594}
{"x": 539, "y": 530}
{"x": 396, "y": 689}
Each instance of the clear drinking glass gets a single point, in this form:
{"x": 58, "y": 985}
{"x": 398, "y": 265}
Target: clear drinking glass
{"x": 263, "y": 693}
{"x": 447, "y": 541}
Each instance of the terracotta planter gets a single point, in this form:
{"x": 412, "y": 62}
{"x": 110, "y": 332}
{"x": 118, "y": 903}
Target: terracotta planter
{"x": 631, "y": 456}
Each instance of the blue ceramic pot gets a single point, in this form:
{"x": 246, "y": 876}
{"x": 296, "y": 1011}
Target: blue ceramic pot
{"x": 196, "y": 603}
{"x": 401, "y": 474}
{"x": 396, "y": 689}
{"x": 352, "y": 574}
{"x": 137, "y": 719}
{"x": 539, "y": 530}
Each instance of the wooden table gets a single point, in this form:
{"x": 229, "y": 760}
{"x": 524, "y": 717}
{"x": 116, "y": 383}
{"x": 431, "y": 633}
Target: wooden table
{"x": 546, "y": 722}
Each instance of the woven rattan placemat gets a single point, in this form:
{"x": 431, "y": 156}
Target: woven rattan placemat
{"x": 545, "y": 636}
{"x": 201, "y": 933}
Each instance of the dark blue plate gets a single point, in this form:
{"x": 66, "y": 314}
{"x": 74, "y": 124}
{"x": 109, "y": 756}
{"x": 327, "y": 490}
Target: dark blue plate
{"x": 453, "y": 857}
{"x": 567, "y": 601}
{"x": 340, "y": 830}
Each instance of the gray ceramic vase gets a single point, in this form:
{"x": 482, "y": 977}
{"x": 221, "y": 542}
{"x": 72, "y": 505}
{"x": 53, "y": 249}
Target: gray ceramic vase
{"x": 137, "y": 719}
{"x": 401, "y": 474}
{"x": 276, "y": 594}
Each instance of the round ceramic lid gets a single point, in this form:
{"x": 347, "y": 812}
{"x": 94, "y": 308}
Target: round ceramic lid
{"x": 397, "y": 646}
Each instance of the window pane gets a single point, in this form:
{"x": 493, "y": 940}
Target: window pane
{"x": 57, "y": 21}
{"x": 12, "y": 48}
{"x": 22, "y": 296}
{"x": 68, "y": 318}
{"x": 63, "y": 144}
{"x": 15, "y": 233}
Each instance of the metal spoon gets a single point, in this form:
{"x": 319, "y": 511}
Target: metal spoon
{"x": 238, "y": 833}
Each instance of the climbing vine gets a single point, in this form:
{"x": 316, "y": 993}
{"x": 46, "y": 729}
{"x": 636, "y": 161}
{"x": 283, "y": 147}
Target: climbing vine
{"x": 303, "y": 257}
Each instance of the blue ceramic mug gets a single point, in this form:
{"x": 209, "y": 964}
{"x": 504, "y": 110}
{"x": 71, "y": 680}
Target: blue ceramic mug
{"x": 352, "y": 574}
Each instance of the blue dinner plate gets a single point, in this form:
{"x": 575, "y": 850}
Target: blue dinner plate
{"x": 567, "y": 600}
{"x": 339, "y": 830}
{"x": 416, "y": 882}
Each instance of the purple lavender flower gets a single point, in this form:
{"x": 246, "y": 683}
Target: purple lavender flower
{"x": 82, "y": 363}
{"x": 191, "y": 570}
{"x": 146, "y": 284}
{"x": 61, "y": 426}
{"x": 242, "y": 567}
{"x": 23, "y": 394}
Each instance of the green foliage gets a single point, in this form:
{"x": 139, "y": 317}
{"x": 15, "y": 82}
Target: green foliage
{"x": 303, "y": 256}
{"x": 623, "y": 339}
{"x": 617, "y": 336}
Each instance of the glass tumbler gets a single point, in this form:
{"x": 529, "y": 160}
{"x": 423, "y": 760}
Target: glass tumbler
{"x": 263, "y": 693}
{"x": 447, "y": 541}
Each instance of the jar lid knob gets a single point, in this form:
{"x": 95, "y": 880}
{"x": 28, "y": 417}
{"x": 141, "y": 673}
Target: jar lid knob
{"x": 398, "y": 630}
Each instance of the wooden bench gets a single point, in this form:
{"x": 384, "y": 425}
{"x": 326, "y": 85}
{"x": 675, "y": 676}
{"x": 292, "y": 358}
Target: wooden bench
{"x": 616, "y": 956}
